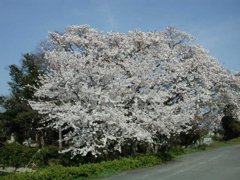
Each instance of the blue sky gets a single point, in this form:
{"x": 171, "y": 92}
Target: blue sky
{"x": 25, "y": 23}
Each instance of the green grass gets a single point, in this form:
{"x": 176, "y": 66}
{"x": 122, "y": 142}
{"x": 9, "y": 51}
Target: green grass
{"x": 217, "y": 144}
{"x": 108, "y": 168}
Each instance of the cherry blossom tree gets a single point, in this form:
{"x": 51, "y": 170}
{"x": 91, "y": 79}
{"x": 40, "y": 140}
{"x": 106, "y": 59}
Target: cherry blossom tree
{"x": 108, "y": 88}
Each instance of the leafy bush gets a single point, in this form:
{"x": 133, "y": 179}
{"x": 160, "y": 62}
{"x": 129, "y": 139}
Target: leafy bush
{"x": 47, "y": 156}
{"x": 176, "y": 151}
{"x": 104, "y": 168}
{"x": 18, "y": 155}
{"x": 15, "y": 155}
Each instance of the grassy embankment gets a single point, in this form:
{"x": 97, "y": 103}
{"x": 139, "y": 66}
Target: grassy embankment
{"x": 108, "y": 168}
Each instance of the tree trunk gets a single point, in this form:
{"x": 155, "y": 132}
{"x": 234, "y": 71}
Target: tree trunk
{"x": 60, "y": 138}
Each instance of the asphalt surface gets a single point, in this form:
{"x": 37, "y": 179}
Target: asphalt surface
{"x": 217, "y": 164}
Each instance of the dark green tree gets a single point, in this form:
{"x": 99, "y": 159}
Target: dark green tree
{"x": 230, "y": 124}
{"x": 17, "y": 116}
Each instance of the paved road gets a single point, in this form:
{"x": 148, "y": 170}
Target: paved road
{"x": 217, "y": 164}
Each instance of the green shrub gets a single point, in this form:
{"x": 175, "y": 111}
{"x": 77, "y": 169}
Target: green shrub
{"x": 15, "y": 155}
{"x": 47, "y": 156}
{"x": 102, "y": 169}
{"x": 176, "y": 151}
{"x": 18, "y": 155}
